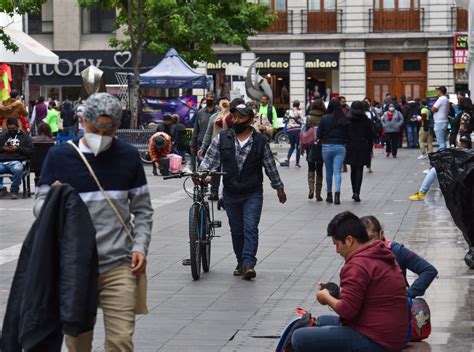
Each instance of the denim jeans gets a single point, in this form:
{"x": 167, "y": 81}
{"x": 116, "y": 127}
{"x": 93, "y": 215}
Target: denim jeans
{"x": 440, "y": 129}
{"x": 244, "y": 213}
{"x": 430, "y": 177}
{"x": 16, "y": 169}
{"x": 333, "y": 156}
{"x": 412, "y": 134}
{"x": 294, "y": 137}
{"x": 330, "y": 335}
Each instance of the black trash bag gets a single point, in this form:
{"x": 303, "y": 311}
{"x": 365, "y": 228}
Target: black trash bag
{"x": 455, "y": 170}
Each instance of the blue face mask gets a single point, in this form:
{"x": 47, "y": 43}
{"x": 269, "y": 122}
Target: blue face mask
{"x": 391, "y": 109}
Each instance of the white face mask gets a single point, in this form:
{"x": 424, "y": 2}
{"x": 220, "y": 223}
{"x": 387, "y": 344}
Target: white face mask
{"x": 98, "y": 143}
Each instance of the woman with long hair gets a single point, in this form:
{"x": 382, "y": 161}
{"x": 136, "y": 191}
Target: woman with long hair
{"x": 333, "y": 131}
{"x": 359, "y": 147}
{"x": 314, "y": 155}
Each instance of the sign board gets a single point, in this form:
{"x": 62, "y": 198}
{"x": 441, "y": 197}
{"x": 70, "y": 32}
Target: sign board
{"x": 223, "y": 61}
{"x": 461, "y": 48}
{"x": 153, "y": 109}
{"x": 322, "y": 61}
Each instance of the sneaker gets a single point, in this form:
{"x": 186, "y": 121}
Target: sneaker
{"x": 3, "y": 192}
{"x": 298, "y": 166}
{"x": 285, "y": 163}
{"x": 422, "y": 156}
{"x": 394, "y": 156}
{"x": 426, "y": 171}
{"x": 13, "y": 195}
{"x": 418, "y": 196}
{"x": 238, "y": 270}
{"x": 249, "y": 274}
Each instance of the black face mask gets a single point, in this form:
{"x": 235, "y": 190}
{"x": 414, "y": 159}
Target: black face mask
{"x": 240, "y": 128}
{"x": 209, "y": 103}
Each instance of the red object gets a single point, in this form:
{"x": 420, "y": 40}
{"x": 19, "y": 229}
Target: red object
{"x": 308, "y": 137}
{"x": 420, "y": 319}
{"x": 374, "y": 297}
{"x": 390, "y": 116}
{"x": 25, "y": 122}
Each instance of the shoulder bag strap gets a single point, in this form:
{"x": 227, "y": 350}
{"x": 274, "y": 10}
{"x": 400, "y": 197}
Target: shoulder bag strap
{"x": 106, "y": 196}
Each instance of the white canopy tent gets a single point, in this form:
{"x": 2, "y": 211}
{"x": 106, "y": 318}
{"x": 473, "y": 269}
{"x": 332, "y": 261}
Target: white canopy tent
{"x": 29, "y": 50}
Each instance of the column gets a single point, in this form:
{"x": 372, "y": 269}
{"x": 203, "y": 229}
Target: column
{"x": 67, "y": 25}
{"x": 297, "y": 78}
{"x": 352, "y": 71}
{"x": 440, "y": 65}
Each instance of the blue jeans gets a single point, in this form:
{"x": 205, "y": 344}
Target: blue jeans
{"x": 330, "y": 335}
{"x": 16, "y": 169}
{"x": 244, "y": 213}
{"x": 294, "y": 137}
{"x": 333, "y": 156}
{"x": 412, "y": 134}
{"x": 430, "y": 177}
{"x": 440, "y": 129}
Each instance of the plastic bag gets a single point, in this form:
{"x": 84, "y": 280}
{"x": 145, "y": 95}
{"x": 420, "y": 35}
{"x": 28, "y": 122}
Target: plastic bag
{"x": 455, "y": 170}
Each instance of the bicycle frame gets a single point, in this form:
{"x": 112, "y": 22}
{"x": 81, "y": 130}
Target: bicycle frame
{"x": 199, "y": 195}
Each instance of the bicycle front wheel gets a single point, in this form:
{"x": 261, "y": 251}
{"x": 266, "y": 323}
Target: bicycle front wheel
{"x": 206, "y": 243}
{"x": 194, "y": 243}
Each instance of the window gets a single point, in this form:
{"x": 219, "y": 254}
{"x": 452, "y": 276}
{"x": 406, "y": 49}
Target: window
{"x": 396, "y": 4}
{"x": 321, "y": 5}
{"x": 275, "y": 5}
{"x": 42, "y": 22}
{"x": 97, "y": 20}
{"x": 381, "y": 65}
{"x": 412, "y": 65}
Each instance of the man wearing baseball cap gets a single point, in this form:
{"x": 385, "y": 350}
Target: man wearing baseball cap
{"x": 441, "y": 110}
{"x": 119, "y": 170}
{"x": 243, "y": 153}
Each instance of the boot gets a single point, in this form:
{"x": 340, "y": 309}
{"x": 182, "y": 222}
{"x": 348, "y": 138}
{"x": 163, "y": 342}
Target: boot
{"x": 311, "y": 184}
{"x": 319, "y": 186}
{"x": 337, "y": 198}
{"x": 329, "y": 197}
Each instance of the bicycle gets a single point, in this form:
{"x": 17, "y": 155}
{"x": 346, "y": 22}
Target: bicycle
{"x": 201, "y": 221}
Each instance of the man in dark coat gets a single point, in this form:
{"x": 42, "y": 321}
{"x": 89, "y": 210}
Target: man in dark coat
{"x": 54, "y": 290}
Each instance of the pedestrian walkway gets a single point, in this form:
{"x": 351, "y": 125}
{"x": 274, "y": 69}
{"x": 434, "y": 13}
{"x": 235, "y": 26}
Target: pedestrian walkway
{"x": 224, "y": 313}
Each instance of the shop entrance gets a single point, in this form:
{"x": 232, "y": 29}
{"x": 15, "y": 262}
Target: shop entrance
{"x": 398, "y": 74}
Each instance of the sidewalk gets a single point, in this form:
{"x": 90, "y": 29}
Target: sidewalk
{"x": 223, "y": 313}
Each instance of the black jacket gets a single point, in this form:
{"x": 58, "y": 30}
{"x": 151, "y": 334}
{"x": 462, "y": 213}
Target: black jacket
{"x": 361, "y": 139}
{"x": 329, "y": 132}
{"x": 21, "y": 141}
{"x": 55, "y": 288}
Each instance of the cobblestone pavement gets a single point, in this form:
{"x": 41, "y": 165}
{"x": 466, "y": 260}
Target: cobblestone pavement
{"x": 224, "y": 313}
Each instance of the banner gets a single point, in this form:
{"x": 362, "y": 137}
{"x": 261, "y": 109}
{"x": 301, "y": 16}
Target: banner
{"x": 460, "y": 50}
{"x": 153, "y": 109}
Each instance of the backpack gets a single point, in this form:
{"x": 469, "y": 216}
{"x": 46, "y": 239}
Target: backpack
{"x": 420, "y": 319}
{"x": 306, "y": 320}
{"x": 377, "y": 124}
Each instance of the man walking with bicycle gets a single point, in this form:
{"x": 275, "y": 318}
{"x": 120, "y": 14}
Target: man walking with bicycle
{"x": 243, "y": 153}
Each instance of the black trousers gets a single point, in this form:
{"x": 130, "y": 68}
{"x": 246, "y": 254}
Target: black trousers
{"x": 215, "y": 183}
{"x": 391, "y": 139}
{"x": 318, "y": 167}
{"x": 357, "y": 173}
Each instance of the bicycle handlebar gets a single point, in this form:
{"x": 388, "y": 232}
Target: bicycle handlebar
{"x": 199, "y": 174}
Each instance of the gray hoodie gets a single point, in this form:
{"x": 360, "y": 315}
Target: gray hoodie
{"x": 395, "y": 125}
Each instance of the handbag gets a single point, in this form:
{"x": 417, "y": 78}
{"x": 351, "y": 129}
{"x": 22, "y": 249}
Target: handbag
{"x": 142, "y": 284}
{"x": 308, "y": 137}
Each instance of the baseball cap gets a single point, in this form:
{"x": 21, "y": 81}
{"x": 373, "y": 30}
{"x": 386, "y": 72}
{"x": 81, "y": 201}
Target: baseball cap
{"x": 103, "y": 104}
{"x": 243, "y": 110}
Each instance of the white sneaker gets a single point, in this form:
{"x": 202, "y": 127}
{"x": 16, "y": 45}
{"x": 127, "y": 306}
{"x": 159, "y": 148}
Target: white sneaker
{"x": 426, "y": 171}
{"x": 422, "y": 156}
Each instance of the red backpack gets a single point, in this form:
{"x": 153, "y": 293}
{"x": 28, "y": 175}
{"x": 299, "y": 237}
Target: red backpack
{"x": 420, "y": 319}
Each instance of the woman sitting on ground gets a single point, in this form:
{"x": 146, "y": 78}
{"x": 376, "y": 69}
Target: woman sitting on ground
{"x": 406, "y": 259}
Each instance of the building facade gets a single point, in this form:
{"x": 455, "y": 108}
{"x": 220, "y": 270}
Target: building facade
{"x": 353, "y": 48}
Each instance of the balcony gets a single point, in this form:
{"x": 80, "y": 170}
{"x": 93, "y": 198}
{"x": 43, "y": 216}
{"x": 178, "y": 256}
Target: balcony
{"x": 459, "y": 19}
{"x": 321, "y": 21}
{"x": 282, "y": 25}
{"x": 398, "y": 20}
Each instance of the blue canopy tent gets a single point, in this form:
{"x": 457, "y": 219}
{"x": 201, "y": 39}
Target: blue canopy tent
{"x": 174, "y": 72}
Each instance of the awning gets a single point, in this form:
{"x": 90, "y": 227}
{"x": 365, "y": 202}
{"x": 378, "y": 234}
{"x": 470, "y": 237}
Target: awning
{"x": 29, "y": 50}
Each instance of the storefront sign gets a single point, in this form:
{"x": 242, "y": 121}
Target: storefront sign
{"x": 71, "y": 63}
{"x": 224, "y": 61}
{"x": 153, "y": 109}
{"x": 273, "y": 62}
{"x": 460, "y": 50}
{"x": 322, "y": 61}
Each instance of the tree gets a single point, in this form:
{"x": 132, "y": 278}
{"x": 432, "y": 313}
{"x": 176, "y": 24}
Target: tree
{"x": 192, "y": 27}
{"x": 16, "y": 7}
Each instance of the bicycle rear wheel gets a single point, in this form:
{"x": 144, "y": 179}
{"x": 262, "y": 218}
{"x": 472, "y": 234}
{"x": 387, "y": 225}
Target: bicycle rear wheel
{"x": 206, "y": 244}
{"x": 194, "y": 245}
